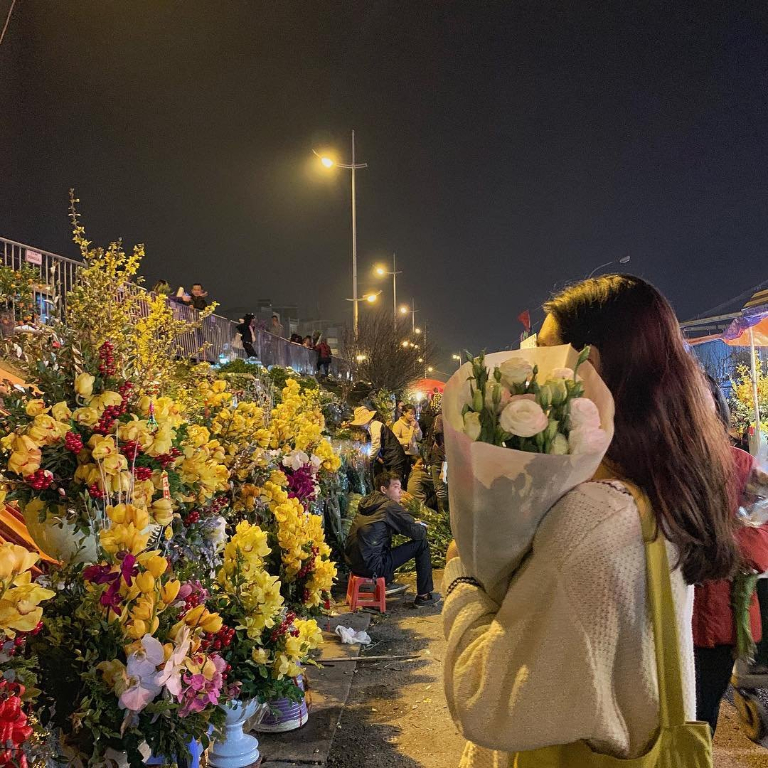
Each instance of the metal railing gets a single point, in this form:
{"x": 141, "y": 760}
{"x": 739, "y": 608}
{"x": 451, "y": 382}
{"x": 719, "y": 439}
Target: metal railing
{"x": 216, "y": 337}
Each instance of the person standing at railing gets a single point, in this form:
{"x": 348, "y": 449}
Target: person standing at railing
{"x": 197, "y": 298}
{"x": 276, "y": 329}
{"x": 245, "y": 329}
{"x": 324, "y": 357}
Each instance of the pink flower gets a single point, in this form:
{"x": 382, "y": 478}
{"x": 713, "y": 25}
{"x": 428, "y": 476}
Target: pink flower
{"x": 170, "y": 675}
{"x": 203, "y": 688}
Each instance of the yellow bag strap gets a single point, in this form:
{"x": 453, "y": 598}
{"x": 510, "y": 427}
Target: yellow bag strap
{"x": 662, "y": 608}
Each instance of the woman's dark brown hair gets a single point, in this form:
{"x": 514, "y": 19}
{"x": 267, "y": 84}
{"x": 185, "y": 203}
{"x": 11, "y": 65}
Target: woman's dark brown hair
{"x": 668, "y": 438}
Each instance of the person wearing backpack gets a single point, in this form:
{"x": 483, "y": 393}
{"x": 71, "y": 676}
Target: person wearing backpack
{"x": 587, "y": 661}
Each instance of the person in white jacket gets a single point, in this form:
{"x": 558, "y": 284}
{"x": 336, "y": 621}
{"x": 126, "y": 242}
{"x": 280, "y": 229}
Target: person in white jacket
{"x": 568, "y": 654}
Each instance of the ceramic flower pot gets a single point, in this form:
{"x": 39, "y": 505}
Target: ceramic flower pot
{"x": 58, "y": 538}
{"x": 237, "y": 749}
{"x": 283, "y": 715}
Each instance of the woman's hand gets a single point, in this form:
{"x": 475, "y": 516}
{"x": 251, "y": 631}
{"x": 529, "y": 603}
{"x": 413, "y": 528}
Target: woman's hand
{"x": 453, "y": 551}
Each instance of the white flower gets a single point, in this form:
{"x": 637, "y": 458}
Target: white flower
{"x": 218, "y": 535}
{"x": 561, "y": 373}
{"x": 584, "y": 414}
{"x": 143, "y": 675}
{"x": 504, "y": 397}
{"x": 295, "y": 460}
{"x": 516, "y": 370}
{"x": 559, "y": 445}
{"x": 586, "y": 440}
{"x": 523, "y": 417}
{"x": 472, "y": 425}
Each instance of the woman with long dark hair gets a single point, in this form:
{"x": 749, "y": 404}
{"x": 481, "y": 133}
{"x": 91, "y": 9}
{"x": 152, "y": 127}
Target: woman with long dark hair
{"x": 568, "y": 655}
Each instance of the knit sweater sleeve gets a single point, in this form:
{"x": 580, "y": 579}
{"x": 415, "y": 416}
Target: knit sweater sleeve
{"x": 519, "y": 673}
{"x": 526, "y": 674}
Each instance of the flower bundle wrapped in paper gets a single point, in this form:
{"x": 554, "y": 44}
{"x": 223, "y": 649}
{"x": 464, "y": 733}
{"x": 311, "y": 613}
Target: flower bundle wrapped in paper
{"x": 522, "y": 429}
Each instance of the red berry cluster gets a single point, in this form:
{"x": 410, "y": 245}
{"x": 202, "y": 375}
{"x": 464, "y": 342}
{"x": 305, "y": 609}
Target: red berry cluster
{"x": 286, "y": 626}
{"x": 327, "y": 604}
{"x": 130, "y": 450}
{"x": 190, "y": 602}
{"x": 95, "y": 492}
{"x": 107, "y": 359}
{"x": 216, "y": 642}
{"x": 73, "y": 442}
{"x": 40, "y": 480}
{"x": 309, "y": 565}
{"x": 108, "y": 417}
{"x": 192, "y": 518}
{"x": 142, "y": 473}
{"x": 217, "y": 505}
{"x": 168, "y": 458}
{"x": 125, "y": 389}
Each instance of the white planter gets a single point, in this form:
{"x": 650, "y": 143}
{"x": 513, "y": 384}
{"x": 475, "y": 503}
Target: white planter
{"x": 236, "y": 749}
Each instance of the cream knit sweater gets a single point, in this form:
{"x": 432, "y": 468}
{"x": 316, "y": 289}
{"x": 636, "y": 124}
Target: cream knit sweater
{"x": 569, "y": 653}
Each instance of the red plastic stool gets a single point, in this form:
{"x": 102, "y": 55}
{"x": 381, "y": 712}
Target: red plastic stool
{"x": 376, "y": 598}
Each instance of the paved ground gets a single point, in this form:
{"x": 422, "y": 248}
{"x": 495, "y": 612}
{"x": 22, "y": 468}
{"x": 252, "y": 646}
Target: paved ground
{"x": 396, "y": 715}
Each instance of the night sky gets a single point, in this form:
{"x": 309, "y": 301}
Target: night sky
{"x": 513, "y": 146}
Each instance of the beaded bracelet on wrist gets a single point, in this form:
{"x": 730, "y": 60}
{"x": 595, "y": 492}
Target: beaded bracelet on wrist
{"x": 462, "y": 580}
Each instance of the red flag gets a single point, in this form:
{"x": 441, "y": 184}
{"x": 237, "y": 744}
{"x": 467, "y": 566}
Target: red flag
{"x": 525, "y": 319}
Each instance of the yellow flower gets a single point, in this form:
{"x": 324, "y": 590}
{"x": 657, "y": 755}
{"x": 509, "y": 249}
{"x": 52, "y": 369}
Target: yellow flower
{"x": 260, "y": 655}
{"x": 162, "y": 511}
{"x": 144, "y": 608}
{"x": 114, "y": 464}
{"x": 84, "y": 385}
{"x": 198, "y": 435}
{"x": 102, "y": 446}
{"x": 45, "y": 430}
{"x": 105, "y": 400}
{"x": 35, "y": 407}
{"x": 136, "y": 431}
{"x": 86, "y": 416}
{"x": 163, "y": 440}
{"x": 7, "y": 441}
{"x": 61, "y": 412}
{"x": 19, "y": 606}
{"x": 212, "y": 623}
{"x": 26, "y": 457}
{"x": 114, "y": 675}
{"x": 137, "y": 629}
{"x": 155, "y": 563}
{"x": 170, "y": 591}
{"x": 15, "y": 560}
{"x": 145, "y": 582}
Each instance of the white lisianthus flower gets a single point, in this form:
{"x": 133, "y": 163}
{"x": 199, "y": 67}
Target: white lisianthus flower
{"x": 584, "y": 414}
{"x": 559, "y": 445}
{"x": 561, "y": 373}
{"x": 523, "y": 417}
{"x": 588, "y": 440}
{"x": 472, "y": 425}
{"x": 504, "y": 397}
{"x": 516, "y": 370}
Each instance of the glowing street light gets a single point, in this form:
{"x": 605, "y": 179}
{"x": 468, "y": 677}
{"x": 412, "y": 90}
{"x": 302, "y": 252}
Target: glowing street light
{"x": 370, "y": 298}
{"x": 430, "y": 368}
{"x": 381, "y": 271}
{"x": 328, "y": 162}
{"x": 404, "y": 310}
{"x": 417, "y": 330}
{"x": 361, "y": 358}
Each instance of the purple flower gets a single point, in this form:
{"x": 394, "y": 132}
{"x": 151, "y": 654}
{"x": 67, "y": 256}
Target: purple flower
{"x": 111, "y": 597}
{"x": 128, "y": 568}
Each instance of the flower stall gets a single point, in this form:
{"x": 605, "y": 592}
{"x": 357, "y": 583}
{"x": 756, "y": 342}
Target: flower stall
{"x": 185, "y": 560}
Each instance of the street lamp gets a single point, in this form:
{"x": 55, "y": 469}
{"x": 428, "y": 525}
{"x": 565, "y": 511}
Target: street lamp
{"x": 369, "y": 297}
{"x": 353, "y": 166}
{"x": 622, "y": 260}
{"x": 458, "y": 360}
{"x": 381, "y": 271}
{"x": 405, "y": 309}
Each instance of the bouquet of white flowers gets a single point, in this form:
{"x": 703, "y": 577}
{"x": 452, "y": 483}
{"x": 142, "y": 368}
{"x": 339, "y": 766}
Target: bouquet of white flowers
{"x": 521, "y": 430}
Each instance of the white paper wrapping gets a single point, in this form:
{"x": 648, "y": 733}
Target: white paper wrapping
{"x": 498, "y": 496}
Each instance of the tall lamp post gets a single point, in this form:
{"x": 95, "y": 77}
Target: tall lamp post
{"x": 353, "y": 166}
{"x": 382, "y": 271}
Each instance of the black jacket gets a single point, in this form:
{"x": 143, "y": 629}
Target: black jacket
{"x": 370, "y": 538}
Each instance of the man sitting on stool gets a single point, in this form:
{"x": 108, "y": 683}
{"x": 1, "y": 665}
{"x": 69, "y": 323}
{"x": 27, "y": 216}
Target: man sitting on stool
{"x": 369, "y": 550}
